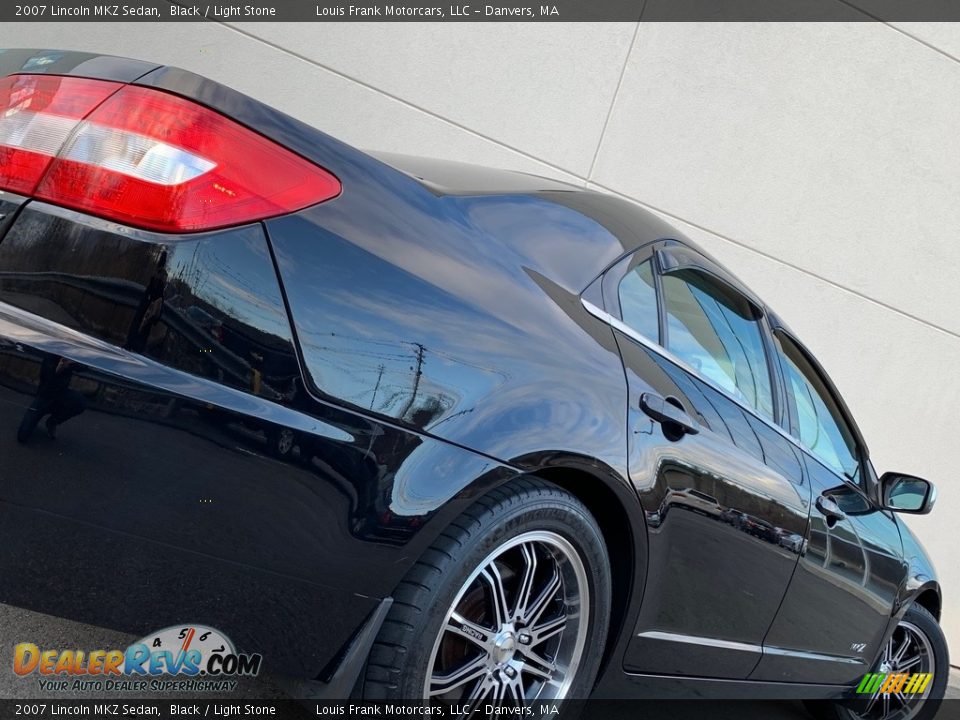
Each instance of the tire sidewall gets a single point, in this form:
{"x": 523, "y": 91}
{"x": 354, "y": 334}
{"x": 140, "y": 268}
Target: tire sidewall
{"x": 566, "y": 518}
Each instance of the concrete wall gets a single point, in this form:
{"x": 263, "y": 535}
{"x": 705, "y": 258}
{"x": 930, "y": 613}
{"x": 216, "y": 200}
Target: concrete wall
{"x": 819, "y": 161}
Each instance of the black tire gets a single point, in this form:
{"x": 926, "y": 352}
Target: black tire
{"x": 921, "y": 619}
{"x": 400, "y": 660}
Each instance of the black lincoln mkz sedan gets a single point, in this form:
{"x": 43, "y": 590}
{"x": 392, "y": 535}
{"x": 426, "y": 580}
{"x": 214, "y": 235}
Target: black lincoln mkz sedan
{"x": 415, "y": 429}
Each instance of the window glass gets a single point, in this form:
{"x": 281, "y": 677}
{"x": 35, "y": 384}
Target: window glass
{"x": 717, "y": 334}
{"x": 816, "y": 419}
{"x": 638, "y": 301}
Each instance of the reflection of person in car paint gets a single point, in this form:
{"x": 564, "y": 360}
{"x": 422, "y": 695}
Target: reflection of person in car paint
{"x": 149, "y": 309}
{"x": 54, "y": 398}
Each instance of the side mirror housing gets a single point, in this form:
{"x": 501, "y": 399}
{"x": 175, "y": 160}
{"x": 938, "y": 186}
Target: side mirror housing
{"x": 907, "y": 493}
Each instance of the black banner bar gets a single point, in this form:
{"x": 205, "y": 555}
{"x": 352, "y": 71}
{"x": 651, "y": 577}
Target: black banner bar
{"x": 474, "y": 11}
{"x": 235, "y": 709}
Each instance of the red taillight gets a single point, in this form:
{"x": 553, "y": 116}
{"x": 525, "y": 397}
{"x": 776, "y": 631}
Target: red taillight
{"x": 148, "y": 159}
{"x": 37, "y": 115}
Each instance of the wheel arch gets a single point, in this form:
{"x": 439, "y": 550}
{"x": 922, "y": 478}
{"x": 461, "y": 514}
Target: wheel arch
{"x": 610, "y": 499}
{"x": 929, "y": 599}
{"x": 617, "y": 512}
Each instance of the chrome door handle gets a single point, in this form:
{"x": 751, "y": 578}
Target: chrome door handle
{"x": 668, "y": 411}
{"x": 829, "y": 508}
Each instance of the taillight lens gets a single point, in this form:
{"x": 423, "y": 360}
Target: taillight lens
{"x": 145, "y": 158}
{"x": 37, "y": 115}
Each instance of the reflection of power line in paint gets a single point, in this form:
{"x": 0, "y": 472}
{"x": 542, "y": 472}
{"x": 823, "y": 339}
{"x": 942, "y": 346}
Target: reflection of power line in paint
{"x": 377, "y": 386}
{"x": 460, "y": 361}
{"x": 465, "y": 411}
{"x": 416, "y": 380}
{"x": 438, "y": 353}
{"x": 365, "y": 353}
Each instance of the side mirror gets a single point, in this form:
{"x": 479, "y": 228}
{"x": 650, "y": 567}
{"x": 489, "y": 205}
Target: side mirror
{"x": 907, "y": 494}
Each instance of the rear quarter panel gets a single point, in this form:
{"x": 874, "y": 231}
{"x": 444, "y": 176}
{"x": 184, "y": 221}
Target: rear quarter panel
{"x": 163, "y": 502}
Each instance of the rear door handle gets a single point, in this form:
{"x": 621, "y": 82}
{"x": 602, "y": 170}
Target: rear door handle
{"x": 668, "y": 411}
{"x": 829, "y": 508}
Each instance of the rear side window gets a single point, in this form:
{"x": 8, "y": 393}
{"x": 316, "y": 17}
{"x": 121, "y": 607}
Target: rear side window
{"x": 815, "y": 417}
{"x": 638, "y": 301}
{"x": 717, "y": 334}
{"x": 209, "y": 306}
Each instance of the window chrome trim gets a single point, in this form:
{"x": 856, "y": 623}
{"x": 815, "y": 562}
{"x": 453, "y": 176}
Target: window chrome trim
{"x": 618, "y": 324}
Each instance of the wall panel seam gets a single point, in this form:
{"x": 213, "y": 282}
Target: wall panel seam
{"x": 616, "y": 94}
{"x": 406, "y": 103}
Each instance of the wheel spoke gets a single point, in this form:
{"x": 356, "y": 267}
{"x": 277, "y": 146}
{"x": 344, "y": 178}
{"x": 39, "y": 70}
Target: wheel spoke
{"x": 469, "y": 630}
{"x": 499, "y": 690}
{"x": 902, "y": 650}
{"x": 888, "y": 651}
{"x": 498, "y": 596}
{"x": 532, "y": 616}
{"x": 538, "y": 666}
{"x": 472, "y": 670}
{"x": 543, "y": 632}
{"x": 907, "y": 664}
{"x": 485, "y": 688}
{"x": 873, "y": 701}
{"x": 525, "y": 592}
{"x": 515, "y": 689}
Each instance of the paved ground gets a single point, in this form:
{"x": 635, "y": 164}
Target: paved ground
{"x": 18, "y": 625}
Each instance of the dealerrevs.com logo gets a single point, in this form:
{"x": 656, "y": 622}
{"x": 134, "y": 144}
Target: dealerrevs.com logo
{"x": 191, "y": 658}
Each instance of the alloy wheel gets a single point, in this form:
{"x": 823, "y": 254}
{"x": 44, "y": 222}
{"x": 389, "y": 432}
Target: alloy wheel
{"x": 516, "y": 630}
{"x": 908, "y": 650}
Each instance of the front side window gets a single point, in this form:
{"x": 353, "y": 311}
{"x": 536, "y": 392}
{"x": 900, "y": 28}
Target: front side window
{"x": 638, "y": 301}
{"x": 718, "y": 334}
{"x": 815, "y": 417}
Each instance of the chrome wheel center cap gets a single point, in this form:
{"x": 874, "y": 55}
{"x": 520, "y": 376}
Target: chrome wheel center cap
{"x": 504, "y": 646}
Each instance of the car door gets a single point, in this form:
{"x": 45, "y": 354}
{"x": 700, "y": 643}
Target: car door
{"x": 720, "y": 488}
{"x": 836, "y": 612}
